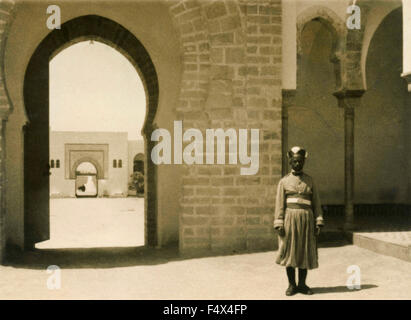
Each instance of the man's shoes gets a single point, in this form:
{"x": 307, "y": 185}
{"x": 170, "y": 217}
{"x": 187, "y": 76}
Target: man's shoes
{"x": 304, "y": 289}
{"x": 292, "y": 290}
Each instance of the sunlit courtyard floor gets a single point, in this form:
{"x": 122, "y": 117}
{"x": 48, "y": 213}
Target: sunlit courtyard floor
{"x": 102, "y": 261}
{"x": 95, "y": 222}
{"x": 134, "y": 273}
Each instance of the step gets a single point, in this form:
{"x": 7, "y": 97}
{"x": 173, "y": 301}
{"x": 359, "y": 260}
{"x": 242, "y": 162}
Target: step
{"x": 395, "y": 244}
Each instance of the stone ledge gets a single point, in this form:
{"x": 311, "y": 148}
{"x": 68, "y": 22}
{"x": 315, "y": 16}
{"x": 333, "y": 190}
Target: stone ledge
{"x": 368, "y": 241}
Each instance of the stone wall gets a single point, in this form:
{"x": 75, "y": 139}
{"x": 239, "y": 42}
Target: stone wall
{"x": 6, "y": 10}
{"x": 232, "y": 79}
{"x": 226, "y": 74}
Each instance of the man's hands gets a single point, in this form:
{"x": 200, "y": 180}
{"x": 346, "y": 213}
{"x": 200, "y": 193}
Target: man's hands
{"x": 281, "y": 231}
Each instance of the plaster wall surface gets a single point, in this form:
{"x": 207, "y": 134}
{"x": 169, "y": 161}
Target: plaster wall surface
{"x": 115, "y": 183}
{"x": 160, "y": 40}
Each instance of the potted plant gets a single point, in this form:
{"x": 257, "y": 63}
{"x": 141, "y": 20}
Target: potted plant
{"x": 137, "y": 181}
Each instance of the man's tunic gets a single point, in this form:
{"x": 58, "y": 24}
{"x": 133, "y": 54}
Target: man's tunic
{"x": 298, "y": 210}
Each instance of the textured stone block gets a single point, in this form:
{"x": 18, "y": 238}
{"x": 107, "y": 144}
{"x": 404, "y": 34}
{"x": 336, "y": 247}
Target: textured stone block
{"x": 222, "y": 38}
{"x": 234, "y": 55}
{"x": 215, "y": 10}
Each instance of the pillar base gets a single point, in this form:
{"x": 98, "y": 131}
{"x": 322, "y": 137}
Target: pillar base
{"x": 407, "y": 77}
{"x": 349, "y": 226}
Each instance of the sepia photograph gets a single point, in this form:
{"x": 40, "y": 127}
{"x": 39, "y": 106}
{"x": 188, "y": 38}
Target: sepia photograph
{"x": 205, "y": 150}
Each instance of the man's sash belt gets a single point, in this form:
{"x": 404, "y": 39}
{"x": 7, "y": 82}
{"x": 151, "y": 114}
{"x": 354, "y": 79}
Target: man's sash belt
{"x": 298, "y": 203}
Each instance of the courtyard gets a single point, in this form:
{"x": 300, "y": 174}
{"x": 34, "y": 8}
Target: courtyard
{"x": 95, "y": 222}
{"x": 162, "y": 274}
{"x": 94, "y": 243}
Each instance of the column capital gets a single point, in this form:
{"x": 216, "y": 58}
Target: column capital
{"x": 349, "y": 93}
{"x": 289, "y": 93}
{"x": 288, "y": 96}
{"x": 349, "y": 98}
{"x": 407, "y": 77}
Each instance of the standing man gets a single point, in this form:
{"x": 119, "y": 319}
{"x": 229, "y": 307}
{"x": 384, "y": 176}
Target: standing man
{"x": 298, "y": 220}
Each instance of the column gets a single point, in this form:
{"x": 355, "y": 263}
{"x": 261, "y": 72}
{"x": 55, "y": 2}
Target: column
{"x": 288, "y": 101}
{"x": 3, "y": 119}
{"x": 406, "y": 26}
{"x": 407, "y": 124}
{"x": 349, "y": 100}
{"x": 289, "y": 72}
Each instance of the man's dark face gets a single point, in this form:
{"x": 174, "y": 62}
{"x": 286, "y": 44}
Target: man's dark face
{"x": 297, "y": 162}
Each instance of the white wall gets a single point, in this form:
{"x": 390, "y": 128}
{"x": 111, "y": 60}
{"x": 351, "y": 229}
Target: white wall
{"x": 117, "y": 182}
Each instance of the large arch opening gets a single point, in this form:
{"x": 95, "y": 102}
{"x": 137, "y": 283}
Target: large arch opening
{"x": 37, "y": 100}
{"x": 382, "y": 122}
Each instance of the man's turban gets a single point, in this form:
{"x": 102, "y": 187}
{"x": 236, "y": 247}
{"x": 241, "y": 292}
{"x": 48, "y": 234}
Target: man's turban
{"x": 297, "y": 151}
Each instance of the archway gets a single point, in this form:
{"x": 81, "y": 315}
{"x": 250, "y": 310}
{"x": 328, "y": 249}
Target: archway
{"x": 86, "y": 180}
{"x": 36, "y": 98}
{"x": 315, "y": 121}
{"x": 138, "y": 163}
{"x": 94, "y": 162}
{"x": 383, "y": 119}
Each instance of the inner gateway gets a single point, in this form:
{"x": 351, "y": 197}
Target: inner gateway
{"x": 86, "y": 180}
{"x": 97, "y": 111}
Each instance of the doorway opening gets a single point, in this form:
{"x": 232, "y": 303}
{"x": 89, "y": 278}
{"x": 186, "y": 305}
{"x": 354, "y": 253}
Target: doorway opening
{"x": 137, "y": 185}
{"x": 97, "y": 109}
{"x": 86, "y": 180}
{"x": 316, "y": 121}
{"x": 101, "y": 94}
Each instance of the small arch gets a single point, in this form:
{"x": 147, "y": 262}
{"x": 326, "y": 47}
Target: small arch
{"x": 335, "y": 25}
{"x": 86, "y": 168}
{"x": 95, "y": 163}
{"x": 138, "y": 163}
{"x": 139, "y": 156}
{"x": 330, "y": 20}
